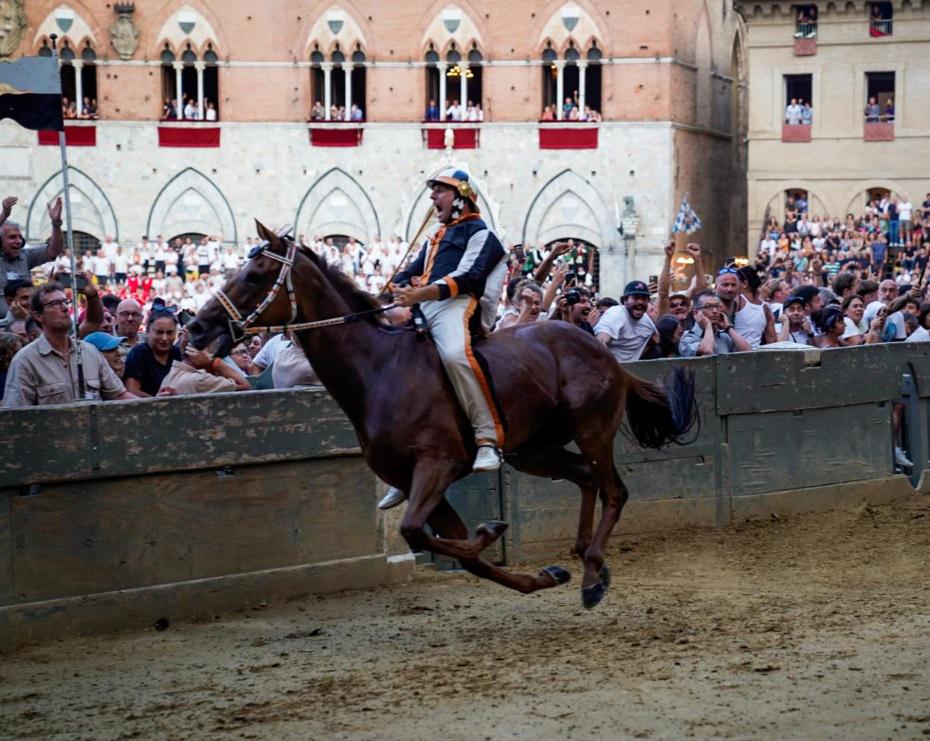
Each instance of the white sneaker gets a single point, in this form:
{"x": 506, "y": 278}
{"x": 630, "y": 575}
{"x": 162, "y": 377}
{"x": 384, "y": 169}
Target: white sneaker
{"x": 901, "y": 459}
{"x": 394, "y": 497}
{"x": 488, "y": 459}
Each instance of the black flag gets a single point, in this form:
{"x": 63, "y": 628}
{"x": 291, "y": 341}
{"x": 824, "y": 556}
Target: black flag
{"x": 30, "y": 93}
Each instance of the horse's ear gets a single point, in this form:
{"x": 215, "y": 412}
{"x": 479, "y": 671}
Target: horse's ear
{"x": 265, "y": 233}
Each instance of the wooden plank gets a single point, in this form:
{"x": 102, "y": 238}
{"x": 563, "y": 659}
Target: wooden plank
{"x": 85, "y": 538}
{"x": 7, "y": 588}
{"x": 814, "y": 447}
{"x": 49, "y": 442}
{"x": 767, "y": 381}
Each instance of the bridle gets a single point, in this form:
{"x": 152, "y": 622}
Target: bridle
{"x": 240, "y": 328}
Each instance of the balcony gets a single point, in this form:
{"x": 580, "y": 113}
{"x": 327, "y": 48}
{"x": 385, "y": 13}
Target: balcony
{"x": 805, "y": 39}
{"x": 336, "y": 134}
{"x": 878, "y": 131}
{"x": 567, "y": 135}
{"x": 460, "y": 136}
{"x": 76, "y": 135}
{"x": 188, "y": 135}
{"x": 880, "y": 27}
{"x": 795, "y": 133}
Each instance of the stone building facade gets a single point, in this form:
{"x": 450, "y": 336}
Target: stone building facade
{"x": 837, "y": 63}
{"x": 667, "y": 78}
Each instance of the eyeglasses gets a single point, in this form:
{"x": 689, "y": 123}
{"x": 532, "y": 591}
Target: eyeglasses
{"x": 60, "y": 303}
{"x": 710, "y": 305}
{"x": 241, "y": 351}
{"x": 129, "y": 314}
{"x": 677, "y": 304}
{"x": 727, "y": 271}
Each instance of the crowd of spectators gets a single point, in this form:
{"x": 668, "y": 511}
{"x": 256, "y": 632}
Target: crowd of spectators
{"x": 188, "y": 110}
{"x": 336, "y": 113}
{"x": 572, "y": 110}
{"x": 87, "y": 110}
{"x": 471, "y": 112}
{"x": 815, "y": 281}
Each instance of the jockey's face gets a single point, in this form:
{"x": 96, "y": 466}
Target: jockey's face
{"x": 442, "y": 197}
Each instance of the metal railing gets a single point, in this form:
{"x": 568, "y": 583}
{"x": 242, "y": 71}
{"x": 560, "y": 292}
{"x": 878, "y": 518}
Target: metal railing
{"x": 806, "y": 30}
{"x": 881, "y": 27}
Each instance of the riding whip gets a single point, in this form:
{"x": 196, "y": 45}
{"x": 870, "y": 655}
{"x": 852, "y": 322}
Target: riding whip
{"x": 413, "y": 242}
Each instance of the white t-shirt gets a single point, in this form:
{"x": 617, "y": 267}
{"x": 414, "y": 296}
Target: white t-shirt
{"x": 266, "y": 356}
{"x": 851, "y": 329}
{"x": 750, "y": 322}
{"x": 905, "y": 211}
{"x": 628, "y": 338}
{"x": 919, "y": 335}
{"x": 897, "y": 321}
{"x": 872, "y": 310}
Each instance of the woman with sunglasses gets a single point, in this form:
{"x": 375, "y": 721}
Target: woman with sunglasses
{"x": 148, "y": 363}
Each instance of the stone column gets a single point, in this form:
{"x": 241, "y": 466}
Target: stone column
{"x": 199, "y": 67}
{"x": 347, "y": 66}
{"x": 78, "y": 86}
{"x": 582, "y": 73}
{"x": 441, "y": 66}
{"x": 559, "y": 88}
{"x": 179, "y": 94}
{"x": 463, "y": 87}
{"x": 327, "y": 88}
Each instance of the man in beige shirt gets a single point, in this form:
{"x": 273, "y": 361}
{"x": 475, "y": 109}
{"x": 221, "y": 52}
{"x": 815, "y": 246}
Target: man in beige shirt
{"x": 46, "y": 371}
{"x": 198, "y": 373}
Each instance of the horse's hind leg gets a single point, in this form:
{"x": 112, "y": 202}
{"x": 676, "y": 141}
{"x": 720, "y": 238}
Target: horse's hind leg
{"x": 559, "y": 463}
{"x": 599, "y": 451}
{"x": 446, "y": 521}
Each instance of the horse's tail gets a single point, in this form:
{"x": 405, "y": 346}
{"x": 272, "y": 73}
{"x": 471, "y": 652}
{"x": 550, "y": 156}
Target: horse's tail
{"x": 659, "y": 414}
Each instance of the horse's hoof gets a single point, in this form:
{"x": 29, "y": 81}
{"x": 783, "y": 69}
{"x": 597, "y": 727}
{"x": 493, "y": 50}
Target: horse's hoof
{"x": 495, "y": 528}
{"x": 605, "y": 577}
{"x": 591, "y": 596}
{"x": 560, "y": 575}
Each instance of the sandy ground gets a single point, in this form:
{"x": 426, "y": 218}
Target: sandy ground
{"x": 806, "y": 627}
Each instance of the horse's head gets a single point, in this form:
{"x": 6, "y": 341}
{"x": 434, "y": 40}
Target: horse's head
{"x": 259, "y": 294}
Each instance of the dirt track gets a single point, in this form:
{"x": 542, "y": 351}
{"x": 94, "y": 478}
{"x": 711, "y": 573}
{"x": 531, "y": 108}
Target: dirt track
{"x": 808, "y": 627}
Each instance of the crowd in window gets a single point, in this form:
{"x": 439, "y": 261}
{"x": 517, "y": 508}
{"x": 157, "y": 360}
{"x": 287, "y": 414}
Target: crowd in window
{"x": 188, "y": 109}
{"x": 571, "y": 111}
{"x": 87, "y": 110}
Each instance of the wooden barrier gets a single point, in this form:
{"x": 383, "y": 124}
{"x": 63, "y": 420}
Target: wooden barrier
{"x": 115, "y": 515}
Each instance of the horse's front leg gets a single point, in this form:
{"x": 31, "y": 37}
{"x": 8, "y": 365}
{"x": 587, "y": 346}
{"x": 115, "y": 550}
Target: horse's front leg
{"x": 430, "y": 480}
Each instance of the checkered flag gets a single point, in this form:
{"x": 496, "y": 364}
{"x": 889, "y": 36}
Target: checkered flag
{"x": 687, "y": 221}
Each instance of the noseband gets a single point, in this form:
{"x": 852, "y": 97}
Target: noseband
{"x": 240, "y": 328}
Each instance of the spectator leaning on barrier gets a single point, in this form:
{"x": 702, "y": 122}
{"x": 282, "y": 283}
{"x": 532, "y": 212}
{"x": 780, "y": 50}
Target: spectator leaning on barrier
{"x": 199, "y": 373}
{"x": 922, "y": 333}
{"x": 669, "y": 331}
{"x": 148, "y": 363}
{"x": 46, "y": 371}
{"x": 795, "y": 322}
{"x": 625, "y": 329}
{"x": 17, "y": 260}
{"x": 712, "y": 333}
{"x": 108, "y": 346}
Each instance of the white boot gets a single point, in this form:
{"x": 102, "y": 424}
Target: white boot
{"x": 901, "y": 459}
{"x": 394, "y": 497}
{"x": 488, "y": 459}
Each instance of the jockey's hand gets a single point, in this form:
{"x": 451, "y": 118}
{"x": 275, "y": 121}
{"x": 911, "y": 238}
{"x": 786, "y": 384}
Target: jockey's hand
{"x": 408, "y": 295}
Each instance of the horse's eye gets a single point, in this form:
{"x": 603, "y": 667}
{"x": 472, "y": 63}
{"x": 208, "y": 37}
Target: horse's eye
{"x": 253, "y": 277}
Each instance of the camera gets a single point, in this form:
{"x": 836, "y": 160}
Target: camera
{"x": 573, "y": 296}
{"x": 79, "y": 284}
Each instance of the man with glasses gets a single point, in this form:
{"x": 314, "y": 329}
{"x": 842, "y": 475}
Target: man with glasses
{"x": 46, "y": 371}
{"x": 128, "y": 323}
{"x": 712, "y": 333}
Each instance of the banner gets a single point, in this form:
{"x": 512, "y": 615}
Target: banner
{"x": 30, "y": 93}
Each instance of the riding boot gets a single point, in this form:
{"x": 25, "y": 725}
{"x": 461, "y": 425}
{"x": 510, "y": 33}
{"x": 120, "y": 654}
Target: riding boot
{"x": 394, "y": 497}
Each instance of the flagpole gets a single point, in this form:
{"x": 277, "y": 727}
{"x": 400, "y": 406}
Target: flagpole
{"x": 70, "y": 238}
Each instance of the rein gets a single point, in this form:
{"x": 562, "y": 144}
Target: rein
{"x": 240, "y": 328}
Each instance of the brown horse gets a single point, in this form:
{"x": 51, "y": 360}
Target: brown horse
{"x": 555, "y": 384}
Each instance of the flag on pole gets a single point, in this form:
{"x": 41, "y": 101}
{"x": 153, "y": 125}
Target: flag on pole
{"x": 687, "y": 221}
{"x": 30, "y": 93}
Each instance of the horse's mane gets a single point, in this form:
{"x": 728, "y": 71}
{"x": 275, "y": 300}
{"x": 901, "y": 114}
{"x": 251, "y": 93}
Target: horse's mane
{"x": 357, "y": 299}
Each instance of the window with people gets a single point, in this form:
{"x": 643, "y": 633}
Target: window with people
{"x": 879, "y": 106}
{"x": 337, "y": 85}
{"x": 190, "y": 84}
{"x": 798, "y": 94}
{"x": 78, "y": 79}
{"x": 805, "y": 21}
{"x": 881, "y": 19}
{"x": 572, "y": 84}
{"x": 453, "y": 89}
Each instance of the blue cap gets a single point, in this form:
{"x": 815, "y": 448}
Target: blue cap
{"x": 103, "y": 341}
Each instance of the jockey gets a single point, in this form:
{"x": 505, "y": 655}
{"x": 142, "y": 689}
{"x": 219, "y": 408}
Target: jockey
{"x": 460, "y": 271}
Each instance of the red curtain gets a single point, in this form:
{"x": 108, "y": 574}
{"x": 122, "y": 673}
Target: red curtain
{"x": 464, "y": 138}
{"x": 336, "y": 137}
{"x": 566, "y": 137}
{"x": 176, "y": 136}
{"x": 75, "y": 136}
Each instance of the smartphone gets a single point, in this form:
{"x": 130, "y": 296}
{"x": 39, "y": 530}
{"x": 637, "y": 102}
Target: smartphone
{"x": 519, "y": 252}
{"x": 184, "y": 316}
{"x": 654, "y": 279}
{"x": 80, "y": 284}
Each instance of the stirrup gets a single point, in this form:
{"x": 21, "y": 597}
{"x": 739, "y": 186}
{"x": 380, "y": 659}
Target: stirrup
{"x": 488, "y": 459}
{"x": 394, "y": 497}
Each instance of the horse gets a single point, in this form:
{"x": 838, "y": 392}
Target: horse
{"x": 554, "y": 383}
